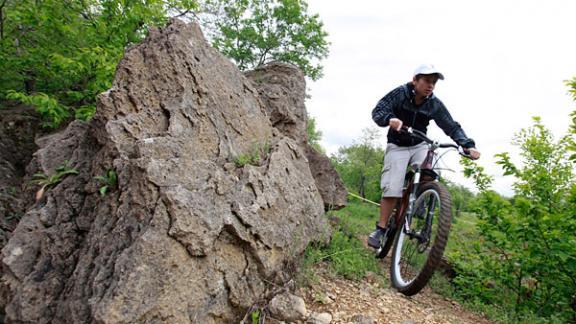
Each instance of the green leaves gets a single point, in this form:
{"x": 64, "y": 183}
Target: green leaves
{"x": 50, "y": 180}
{"x": 509, "y": 167}
{"x": 314, "y": 134}
{"x": 254, "y": 32}
{"x": 59, "y": 55}
{"x": 257, "y": 154}
{"x": 67, "y": 51}
{"x": 472, "y": 170}
{"x": 360, "y": 165}
{"x": 52, "y": 112}
{"x": 109, "y": 181}
{"x": 529, "y": 248}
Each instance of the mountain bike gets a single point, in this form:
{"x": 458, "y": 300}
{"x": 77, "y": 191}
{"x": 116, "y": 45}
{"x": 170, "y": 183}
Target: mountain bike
{"x": 420, "y": 224}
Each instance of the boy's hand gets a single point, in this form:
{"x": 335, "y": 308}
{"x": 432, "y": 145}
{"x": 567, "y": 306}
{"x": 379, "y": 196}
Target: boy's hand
{"x": 395, "y": 124}
{"x": 474, "y": 153}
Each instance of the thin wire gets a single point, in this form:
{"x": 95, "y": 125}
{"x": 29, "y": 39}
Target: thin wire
{"x": 363, "y": 199}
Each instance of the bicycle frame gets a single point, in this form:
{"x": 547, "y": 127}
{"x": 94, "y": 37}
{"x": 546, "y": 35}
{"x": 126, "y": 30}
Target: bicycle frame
{"x": 424, "y": 173}
{"x": 421, "y": 223}
{"x": 411, "y": 188}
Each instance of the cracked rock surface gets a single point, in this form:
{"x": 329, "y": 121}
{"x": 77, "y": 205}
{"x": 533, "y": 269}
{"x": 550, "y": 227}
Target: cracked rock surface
{"x": 212, "y": 202}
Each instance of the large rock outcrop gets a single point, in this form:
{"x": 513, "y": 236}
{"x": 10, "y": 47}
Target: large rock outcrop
{"x": 212, "y": 202}
{"x": 283, "y": 89}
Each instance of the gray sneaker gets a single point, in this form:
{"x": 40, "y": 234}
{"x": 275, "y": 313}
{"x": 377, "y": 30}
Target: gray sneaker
{"x": 374, "y": 237}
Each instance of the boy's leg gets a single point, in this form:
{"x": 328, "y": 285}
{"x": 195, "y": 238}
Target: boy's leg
{"x": 395, "y": 163}
{"x": 387, "y": 205}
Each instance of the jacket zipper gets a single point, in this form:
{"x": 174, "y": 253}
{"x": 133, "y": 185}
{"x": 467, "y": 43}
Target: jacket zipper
{"x": 413, "y": 124}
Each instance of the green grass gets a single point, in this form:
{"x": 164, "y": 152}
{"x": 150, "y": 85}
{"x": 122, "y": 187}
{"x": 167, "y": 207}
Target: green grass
{"x": 463, "y": 237}
{"x": 346, "y": 255}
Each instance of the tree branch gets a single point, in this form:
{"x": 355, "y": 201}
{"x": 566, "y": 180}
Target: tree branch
{"x": 183, "y": 13}
{"x": 262, "y": 59}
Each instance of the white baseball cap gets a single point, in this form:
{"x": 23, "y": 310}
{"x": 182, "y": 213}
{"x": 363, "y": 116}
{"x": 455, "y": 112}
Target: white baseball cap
{"x": 428, "y": 69}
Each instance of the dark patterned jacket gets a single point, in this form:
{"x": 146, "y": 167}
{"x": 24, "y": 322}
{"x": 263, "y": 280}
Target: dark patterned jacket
{"x": 399, "y": 103}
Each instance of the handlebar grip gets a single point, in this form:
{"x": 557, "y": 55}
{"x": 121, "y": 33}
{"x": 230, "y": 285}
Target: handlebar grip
{"x": 416, "y": 133}
{"x": 463, "y": 153}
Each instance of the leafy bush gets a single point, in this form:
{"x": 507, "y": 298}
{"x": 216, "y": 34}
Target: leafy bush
{"x": 52, "y": 112}
{"x": 527, "y": 260}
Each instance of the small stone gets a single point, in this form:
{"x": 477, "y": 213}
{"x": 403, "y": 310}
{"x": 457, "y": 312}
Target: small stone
{"x": 229, "y": 166}
{"x": 370, "y": 276}
{"x": 288, "y": 307}
{"x": 320, "y": 318}
{"x": 361, "y": 319}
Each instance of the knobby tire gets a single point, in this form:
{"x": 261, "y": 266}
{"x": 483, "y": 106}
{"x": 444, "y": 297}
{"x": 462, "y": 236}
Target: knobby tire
{"x": 435, "y": 248}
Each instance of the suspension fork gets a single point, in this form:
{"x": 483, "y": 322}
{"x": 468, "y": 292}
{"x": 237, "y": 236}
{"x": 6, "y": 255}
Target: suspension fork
{"x": 409, "y": 198}
{"x": 429, "y": 215}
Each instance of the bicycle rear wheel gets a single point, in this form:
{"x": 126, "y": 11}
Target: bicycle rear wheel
{"x": 417, "y": 252}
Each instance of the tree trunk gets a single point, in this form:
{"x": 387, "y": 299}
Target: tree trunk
{"x": 362, "y": 189}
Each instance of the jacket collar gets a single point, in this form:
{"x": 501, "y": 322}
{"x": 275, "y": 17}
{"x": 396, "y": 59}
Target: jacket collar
{"x": 409, "y": 91}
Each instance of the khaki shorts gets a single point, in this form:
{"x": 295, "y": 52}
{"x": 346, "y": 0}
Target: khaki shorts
{"x": 396, "y": 161}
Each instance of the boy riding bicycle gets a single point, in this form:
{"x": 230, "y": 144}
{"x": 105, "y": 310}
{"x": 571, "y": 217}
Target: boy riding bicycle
{"x": 412, "y": 104}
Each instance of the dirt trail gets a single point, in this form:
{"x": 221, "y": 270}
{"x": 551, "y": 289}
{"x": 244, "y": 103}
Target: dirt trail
{"x": 369, "y": 301}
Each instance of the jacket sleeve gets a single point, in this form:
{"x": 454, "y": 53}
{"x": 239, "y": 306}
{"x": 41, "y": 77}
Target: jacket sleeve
{"x": 451, "y": 128}
{"x": 383, "y": 111}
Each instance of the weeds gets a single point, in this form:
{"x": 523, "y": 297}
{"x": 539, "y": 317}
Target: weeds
{"x": 16, "y": 215}
{"x": 345, "y": 255}
{"x": 255, "y": 317}
{"x": 254, "y": 157}
{"x": 109, "y": 181}
{"x": 50, "y": 180}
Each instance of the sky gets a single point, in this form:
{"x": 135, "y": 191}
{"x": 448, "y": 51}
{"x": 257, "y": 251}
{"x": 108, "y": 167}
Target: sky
{"x": 503, "y": 61}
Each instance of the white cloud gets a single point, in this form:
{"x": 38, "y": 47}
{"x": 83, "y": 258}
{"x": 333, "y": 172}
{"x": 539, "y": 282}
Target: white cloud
{"x": 504, "y": 62}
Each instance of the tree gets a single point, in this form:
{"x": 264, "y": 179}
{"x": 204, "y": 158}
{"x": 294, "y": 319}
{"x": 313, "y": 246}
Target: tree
{"x": 58, "y": 55}
{"x": 531, "y": 237}
{"x": 461, "y": 196}
{"x": 254, "y": 32}
{"x": 314, "y": 134}
{"x": 360, "y": 165}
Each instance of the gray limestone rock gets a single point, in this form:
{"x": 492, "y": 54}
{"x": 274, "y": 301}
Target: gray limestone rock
{"x": 288, "y": 307}
{"x": 213, "y": 199}
{"x": 319, "y": 318}
{"x": 283, "y": 89}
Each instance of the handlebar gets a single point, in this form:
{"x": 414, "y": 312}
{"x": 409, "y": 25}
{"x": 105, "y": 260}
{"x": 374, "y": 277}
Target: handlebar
{"x": 421, "y": 135}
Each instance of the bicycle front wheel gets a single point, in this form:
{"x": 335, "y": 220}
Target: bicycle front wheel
{"x": 418, "y": 250}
